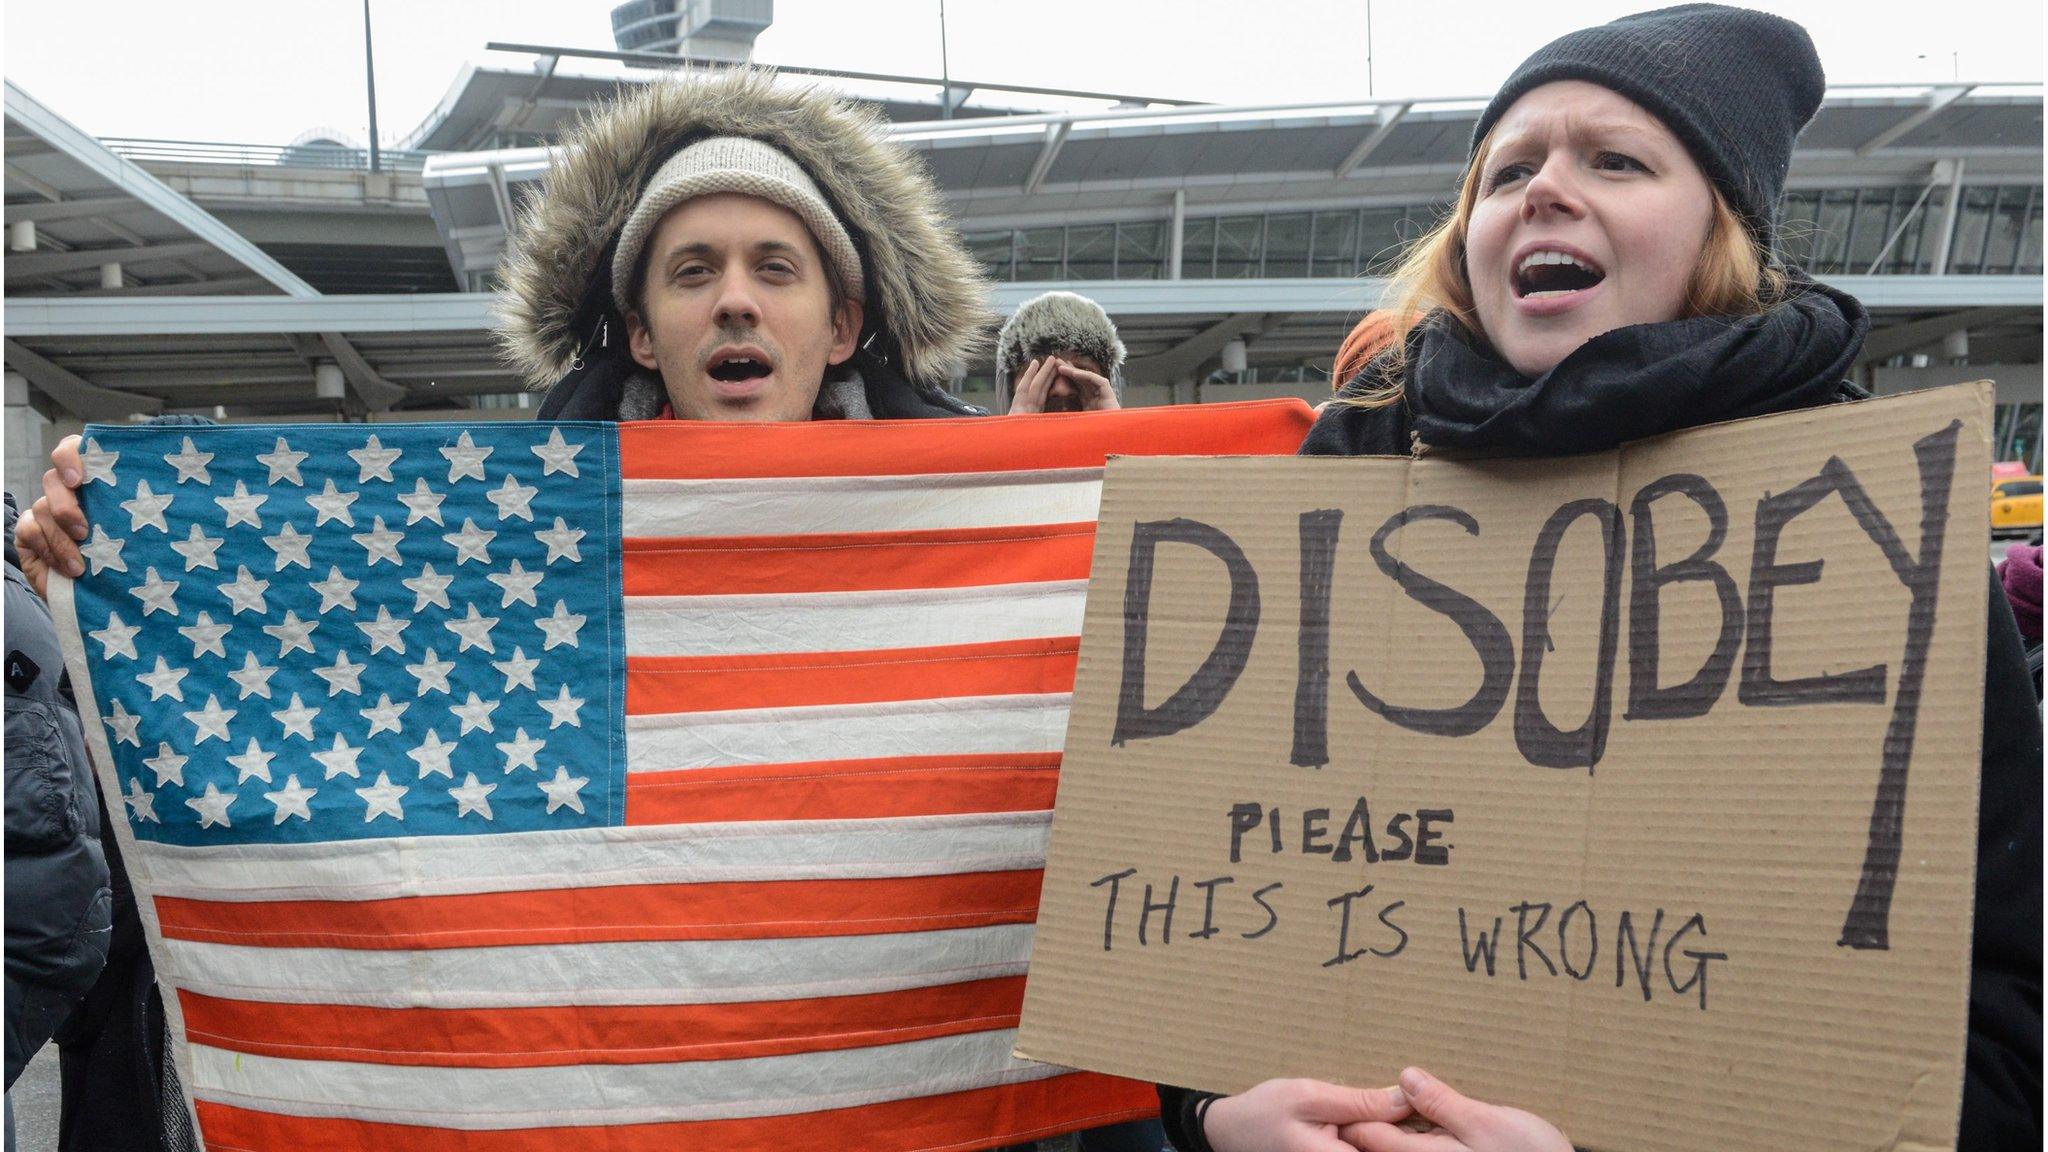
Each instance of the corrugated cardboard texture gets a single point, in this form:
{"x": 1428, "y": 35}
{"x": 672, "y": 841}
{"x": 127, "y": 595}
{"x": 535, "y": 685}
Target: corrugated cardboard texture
{"x": 1670, "y": 960}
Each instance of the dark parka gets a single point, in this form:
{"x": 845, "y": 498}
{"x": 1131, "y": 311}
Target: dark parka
{"x": 59, "y": 905}
{"x": 925, "y": 299}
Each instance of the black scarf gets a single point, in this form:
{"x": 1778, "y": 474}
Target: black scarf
{"x": 1633, "y": 382}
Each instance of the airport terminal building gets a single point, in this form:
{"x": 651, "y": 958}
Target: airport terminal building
{"x": 1234, "y": 246}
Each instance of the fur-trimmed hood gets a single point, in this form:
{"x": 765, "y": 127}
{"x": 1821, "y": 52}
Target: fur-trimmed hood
{"x": 1059, "y": 322}
{"x": 927, "y": 297}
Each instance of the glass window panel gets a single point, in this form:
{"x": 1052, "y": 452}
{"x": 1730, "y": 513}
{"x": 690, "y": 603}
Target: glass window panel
{"x": 1873, "y": 227}
{"x": 2007, "y": 222}
{"x": 1040, "y": 252}
{"x": 2029, "y": 261}
{"x": 1336, "y": 246}
{"x": 1908, "y": 250}
{"x": 1380, "y": 238}
{"x": 1091, "y": 251}
{"x": 1141, "y": 250}
{"x": 1831, "y": 231}
{"x": 1966, "y": 252}
{"x": 1287, "y": 244}
{"x": 1796, "y": 224}
{"x": 1198, "y": 249}
{"x": 1933, "y": 218}
{"x": 1238, "y": 242}
{"x": 994, "y": 250}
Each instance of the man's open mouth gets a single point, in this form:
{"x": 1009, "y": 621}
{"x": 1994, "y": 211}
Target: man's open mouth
{"x": 1551, "y": 273}
{"x": 736, "y": 367}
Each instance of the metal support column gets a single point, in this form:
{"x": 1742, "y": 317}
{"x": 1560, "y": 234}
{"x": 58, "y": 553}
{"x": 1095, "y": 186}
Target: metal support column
{"x": 1948, "y": 224}
{"x": 1180, "y": 226}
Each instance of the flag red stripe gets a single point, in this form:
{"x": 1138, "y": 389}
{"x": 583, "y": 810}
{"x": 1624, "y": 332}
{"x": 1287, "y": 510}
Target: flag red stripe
{"x": 715, "y": 911}
{"x": 954, "y": 1122}
{"x": 599, "y": 1033}
{"x": 650, "y": 450}
{"x": 856, "y": 561}
{"x": 659, "y": 684}
{"x": 846, "y": 789}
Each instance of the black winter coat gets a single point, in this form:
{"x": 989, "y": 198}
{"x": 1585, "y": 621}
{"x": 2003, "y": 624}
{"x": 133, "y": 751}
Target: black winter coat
{"x": 58, "y": 902}
{"x": 2002, "y": 1076}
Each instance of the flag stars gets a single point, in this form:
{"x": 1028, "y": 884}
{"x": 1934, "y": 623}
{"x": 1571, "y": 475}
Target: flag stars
{"x": 422, "y": 503}
{"x": 118, "y": 637}
{"x": 432, "y": 756}
{"x": 384, "y": 631}
{"x": 562, "y": 542}
{"x": 198, "y": 550}
{"x": 337, "y": 591}
{"x": 141, "y": 805}
{"x": 293, "y": 634}
{"x": 557, "y": 455}
{"x": 168, "y": 766}
{"x": 283, "y": 463}
{"x": 99, "y": 464}
{"x": 245, "y": 592}
{"x": 297, "y": 720}
{"x": 465, "y": 459}
{"x": 292, "y": 800}
{"x": 563, "y": 709}
{"x": 290, "y": 544}
{"x": 475, "y": 714}
{"x": 560, "y": 628}
{"x": 344, "y": 676}
{"x": 520, "y": 751}
{"x": 473, "y": 796}
{"x": 213, "y": 806}
{"x": 241, "y": 507}
{"x": 382, "y": 799}
{"x": 563, "y": 791}
{"x": 432, "y": 673}
{"x": 340, "y": 760}
{"x": 380, "y": 543}
{"x": 374, "y": 461}
{"x": 156, "y": 594}
{"x": 518, "y": 671}
{"x": 429, "y": 587}
{"x": 384, "y": 717}
{"x": 125, "y": 725}
{"x": 147, "y": 509}
{"x": 210, "y": 722}
{"x": 332, "y": 504}
{"x": 104, "y": 551}
{"x": 191, "y": 463}
{"x": 163, "y": 681}
{"x": 253, "y": 761}
{"x": 517, "y": 585}
{"x": 253, "y": 678}
{"x": 472, "y": 543}
{"x": 474, "y": 630}
{"x": 206, "y": 636}
{"x": 513, "y": 499}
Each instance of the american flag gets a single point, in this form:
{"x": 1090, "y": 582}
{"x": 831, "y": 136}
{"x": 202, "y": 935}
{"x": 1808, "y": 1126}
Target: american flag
{"x": 514, "y": 786}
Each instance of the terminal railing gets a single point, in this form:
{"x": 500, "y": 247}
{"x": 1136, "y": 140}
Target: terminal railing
{"x": 329, "y": 156}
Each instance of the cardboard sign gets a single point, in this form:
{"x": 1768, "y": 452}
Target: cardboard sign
{"x": 1638, "y": 790}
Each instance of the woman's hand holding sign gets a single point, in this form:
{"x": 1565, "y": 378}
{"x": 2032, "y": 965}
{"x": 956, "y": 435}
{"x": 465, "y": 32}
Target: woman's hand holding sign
{"x": 1460, "y": 1124}
{"x": 1311, "y": 1116}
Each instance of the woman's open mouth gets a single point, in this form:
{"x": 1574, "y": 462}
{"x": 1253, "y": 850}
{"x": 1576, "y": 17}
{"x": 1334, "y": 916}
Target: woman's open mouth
{"x": 1549, "y": 274}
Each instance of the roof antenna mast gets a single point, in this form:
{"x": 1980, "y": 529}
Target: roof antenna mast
{"x": 945, "y": 69}
{"x": 370, "y": 75}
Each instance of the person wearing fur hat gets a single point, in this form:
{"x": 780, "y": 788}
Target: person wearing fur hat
{"x": 716, "y": 248}
{"x": 1642, "y": 161}
{"x": 1060, "y": 353}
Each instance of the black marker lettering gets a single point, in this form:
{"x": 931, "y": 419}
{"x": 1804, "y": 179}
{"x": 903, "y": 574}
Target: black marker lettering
{"x": 1542, "y": 743}
{"x": 1318, "y": 532}
{"x": 1483, "y": 630}
{"x": 1114, "y": 880}
{"x": 1204, "y": 691}
{"x": 1695, "y": 697}
{"x": 1272, "y": 917}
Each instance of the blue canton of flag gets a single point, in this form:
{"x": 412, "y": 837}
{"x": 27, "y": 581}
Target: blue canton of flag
{"x": 304, "y": 633}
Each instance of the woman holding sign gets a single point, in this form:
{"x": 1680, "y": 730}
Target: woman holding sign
{"x": 1606, "y": 275}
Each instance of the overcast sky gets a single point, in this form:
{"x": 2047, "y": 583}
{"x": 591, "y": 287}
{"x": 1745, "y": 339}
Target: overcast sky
{"x": 260, "y": 71}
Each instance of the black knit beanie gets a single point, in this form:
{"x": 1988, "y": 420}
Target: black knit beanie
{"x": 1735, "y": 86}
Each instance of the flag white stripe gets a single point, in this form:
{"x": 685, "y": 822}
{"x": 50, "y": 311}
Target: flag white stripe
{"x": 852, "y": 621}
{"x": 940, "y": 726}
{"x": 597, "y": 857}
{"x": 831, "y": 504}
{"x": 637, "y": 972}
{"x": 497, "y": 1098}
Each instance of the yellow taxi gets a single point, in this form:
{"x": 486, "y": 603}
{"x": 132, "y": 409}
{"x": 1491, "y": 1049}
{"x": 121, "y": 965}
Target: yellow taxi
{"x": 2016, "y": 505}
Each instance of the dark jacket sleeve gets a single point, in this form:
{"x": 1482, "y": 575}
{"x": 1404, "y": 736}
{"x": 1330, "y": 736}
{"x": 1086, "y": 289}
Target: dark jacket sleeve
{"x": 2002, "y": 1077}
{"x": 1180, "y": 1110}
